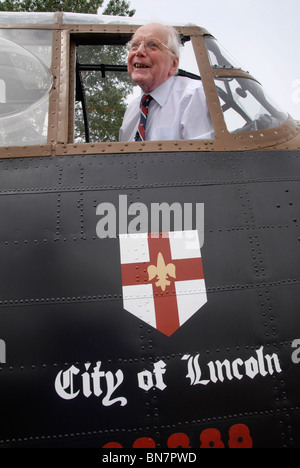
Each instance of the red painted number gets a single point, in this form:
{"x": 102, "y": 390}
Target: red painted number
{"x": 239, "y": 437}
{"x": 179, "y": 440}
{"x": 211, "y": 438}
{"x": 112, "y": 445}
{"x": 144, "y": 442}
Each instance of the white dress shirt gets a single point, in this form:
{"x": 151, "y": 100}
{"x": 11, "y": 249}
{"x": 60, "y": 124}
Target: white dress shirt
{"x": 178, "y": 111}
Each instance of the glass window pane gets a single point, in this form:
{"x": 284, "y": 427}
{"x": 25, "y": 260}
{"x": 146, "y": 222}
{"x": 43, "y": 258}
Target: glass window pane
{"x": 86, "y": 18}
{"x": 37, "y": 41}
{"x": 10, "y": 17}
{"x": 218, "y": 56}
{"x": 246, "y": 107}
{"x": 24, "y": 93}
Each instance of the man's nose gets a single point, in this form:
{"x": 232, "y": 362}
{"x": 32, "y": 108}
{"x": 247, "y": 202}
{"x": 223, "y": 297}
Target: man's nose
{"x": 141, "y": 49}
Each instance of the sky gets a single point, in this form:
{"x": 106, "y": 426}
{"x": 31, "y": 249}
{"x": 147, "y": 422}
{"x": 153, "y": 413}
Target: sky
{"x": 262, "y": 35}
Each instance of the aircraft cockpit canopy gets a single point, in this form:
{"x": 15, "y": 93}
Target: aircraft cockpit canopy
{"x": 64, "y": 81}
{"x": 245, "y": 104}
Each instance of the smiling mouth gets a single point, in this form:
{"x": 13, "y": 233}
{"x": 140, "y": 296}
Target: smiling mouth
{"x": 139, "y": 65}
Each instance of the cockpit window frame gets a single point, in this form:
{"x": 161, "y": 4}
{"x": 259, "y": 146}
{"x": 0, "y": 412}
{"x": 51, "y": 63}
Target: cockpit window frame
{"x": 61, "y": 104}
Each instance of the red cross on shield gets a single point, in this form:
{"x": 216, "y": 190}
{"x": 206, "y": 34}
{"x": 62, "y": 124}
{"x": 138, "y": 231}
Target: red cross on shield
{"x": 162, "y": 277}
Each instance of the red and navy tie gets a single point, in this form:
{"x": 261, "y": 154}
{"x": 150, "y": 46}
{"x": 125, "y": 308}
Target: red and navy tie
{"x": 140, "y": 134}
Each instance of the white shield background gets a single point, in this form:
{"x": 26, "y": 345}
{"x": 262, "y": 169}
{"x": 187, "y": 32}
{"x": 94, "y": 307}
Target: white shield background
{"x": 138, "y": 299}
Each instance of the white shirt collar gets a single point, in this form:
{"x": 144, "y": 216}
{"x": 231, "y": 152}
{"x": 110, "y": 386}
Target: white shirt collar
{"x": 162, "y": 92}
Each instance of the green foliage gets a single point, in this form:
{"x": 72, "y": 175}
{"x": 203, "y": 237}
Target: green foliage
{"x": 114, "y": 7}
{"x": 105, "y": 96}
{"x": 118, "y": 8}
{"x": 78, "y": 6}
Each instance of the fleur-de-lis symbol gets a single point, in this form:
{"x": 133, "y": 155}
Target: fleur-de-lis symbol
{"x": 162, "y": 271}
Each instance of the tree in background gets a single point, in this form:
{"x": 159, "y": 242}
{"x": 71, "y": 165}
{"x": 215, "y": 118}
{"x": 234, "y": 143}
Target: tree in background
{"x": 78, "y": 6}
{"x": 105, "y": 97}
{"x": 118, "y": 8}
{"x": 114, "y": 7}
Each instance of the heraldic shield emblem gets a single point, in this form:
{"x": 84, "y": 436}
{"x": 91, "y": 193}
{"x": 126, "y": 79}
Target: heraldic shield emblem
{"x": 162, "y": 277}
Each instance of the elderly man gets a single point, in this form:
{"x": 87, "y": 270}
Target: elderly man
{"x": 172, "y": 107}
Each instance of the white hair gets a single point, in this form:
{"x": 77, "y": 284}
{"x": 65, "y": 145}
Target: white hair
{"x": 174, "y": 42}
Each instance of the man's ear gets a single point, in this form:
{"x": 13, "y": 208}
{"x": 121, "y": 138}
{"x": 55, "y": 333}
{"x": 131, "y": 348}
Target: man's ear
{"x": 174, "y": 66}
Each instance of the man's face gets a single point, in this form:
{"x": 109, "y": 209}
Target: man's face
{"x": 151, "y": 68}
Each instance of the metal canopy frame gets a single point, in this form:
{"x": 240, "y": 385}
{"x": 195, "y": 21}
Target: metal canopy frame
{"x": 62, "y": 98}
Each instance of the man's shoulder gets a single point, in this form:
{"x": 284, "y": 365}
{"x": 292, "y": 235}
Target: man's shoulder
{"x": 133, "y": 105}
{"x": 135, "y": 100}
{"x": 188, "y": 84}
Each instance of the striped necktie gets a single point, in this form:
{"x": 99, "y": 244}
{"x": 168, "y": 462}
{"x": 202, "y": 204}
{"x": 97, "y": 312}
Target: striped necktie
{"x": 140, "y": 134}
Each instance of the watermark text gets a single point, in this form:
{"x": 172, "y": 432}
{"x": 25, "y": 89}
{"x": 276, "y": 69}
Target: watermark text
{"x": 136, "y": 218}
{"x": 2, "y": 352}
